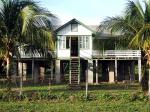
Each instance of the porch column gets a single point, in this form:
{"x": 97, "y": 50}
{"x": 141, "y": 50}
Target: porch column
{"x": 14, "y": 72}
{"x": 20, "y": 69}
{"x": 96, "y": 62}
{"x": 33, "y": 69}
{"x": 24, "y": 65}
{"x": 20, "y": 73}
{"x": 139, "y": 69}
{"x": 36, "y": 73}
{"x": 42, "y": 74}
{"x": 52, "y": 68}
{"x": 116, "y": 74}
{"x": 111, "y": 72}
{"x": 57, "y": 73}
{"x": 132, "y": 75}
{"x": 90, "y": 71}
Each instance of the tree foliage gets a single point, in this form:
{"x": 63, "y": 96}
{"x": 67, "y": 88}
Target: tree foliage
{"x": 24, "y": 22}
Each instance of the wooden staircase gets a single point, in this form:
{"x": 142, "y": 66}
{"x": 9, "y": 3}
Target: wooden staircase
{"x": 74, "y": 73}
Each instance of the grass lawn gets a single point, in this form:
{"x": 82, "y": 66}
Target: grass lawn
{"x": 57, "y": 98}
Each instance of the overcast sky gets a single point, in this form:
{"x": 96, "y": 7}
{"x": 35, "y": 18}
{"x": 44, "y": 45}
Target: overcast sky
{"x": 87, "y": 11}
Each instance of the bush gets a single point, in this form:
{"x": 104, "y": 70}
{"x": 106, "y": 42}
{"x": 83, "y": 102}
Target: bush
{"x": 139, "y": 96}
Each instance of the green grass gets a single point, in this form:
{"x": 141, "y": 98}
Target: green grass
{"x": 58, "y": 98}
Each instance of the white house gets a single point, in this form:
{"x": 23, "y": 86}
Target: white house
{"x": 79, "y": 57}
{"x": 76, "y": 56}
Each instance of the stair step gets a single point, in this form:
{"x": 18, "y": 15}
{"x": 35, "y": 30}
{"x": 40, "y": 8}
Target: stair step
{"x": 74, "y": 65}
{"x": 75, "y": 72}
{"x": 74, "y": 75}
{"x": 74, "y": 62}
{"x": 74, "y": 78}
{"x": 74, "y": 82}
{"x": 75, "y": 68}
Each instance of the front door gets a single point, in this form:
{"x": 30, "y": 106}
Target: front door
{"x": 74, "y": 46}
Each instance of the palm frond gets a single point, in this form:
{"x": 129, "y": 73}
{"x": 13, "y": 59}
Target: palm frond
{"x": 147, "y": 12}
{"x": 117, "y": 24}
{"x": 134, "y": 9}
{"x": 141, "y": 39}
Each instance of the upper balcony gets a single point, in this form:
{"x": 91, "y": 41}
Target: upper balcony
{"x": 119, "y": 54}
{"x": 27, "y": 53}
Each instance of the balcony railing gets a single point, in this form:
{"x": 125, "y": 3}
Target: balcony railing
{"x": 116, "y": 54}
{"x": 34, "y": 54}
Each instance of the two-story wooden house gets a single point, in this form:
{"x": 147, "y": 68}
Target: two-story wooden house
{"x": 77, "y": 55}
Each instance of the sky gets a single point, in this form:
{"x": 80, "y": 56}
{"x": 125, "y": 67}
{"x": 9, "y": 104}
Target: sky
{"x": 90, "y": 12}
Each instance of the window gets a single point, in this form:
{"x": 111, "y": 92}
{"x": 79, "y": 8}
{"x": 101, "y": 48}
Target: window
{"x": 84, "y": 42}
{"x": 67, "y": 42}
{"x": 74, "y": 27}
{"x": 64, "y": 42}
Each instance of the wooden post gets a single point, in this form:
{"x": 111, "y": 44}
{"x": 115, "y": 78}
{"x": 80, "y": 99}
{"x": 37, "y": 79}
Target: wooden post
{"x": 96, "y": 71}
{"x": 116, "y": 69}
{"x": 132, "y": 75}
{"x": 149, "y": 83}
{"x": 36, "y": 73}
{"x": 32, "y": 69}
{"x": 139, "y": 69}
{"x": 24, "y": 77}
{"x": 42, "y": 74}
{"x": 111, "y": 72}
{"x": 86, "y": 86}
{"x": 57, "y": 71}
{"x": 52, "y": 68}
{"x": 79, "y": 72}
{"x": 90, "y": 71}
{"x": 20, "y": 71}
{"x": 14, "y": 74}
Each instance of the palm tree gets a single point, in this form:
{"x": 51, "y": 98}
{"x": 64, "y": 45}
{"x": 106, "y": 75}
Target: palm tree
{"x": 133, "y": 25}
{"x": 21, "y": 20}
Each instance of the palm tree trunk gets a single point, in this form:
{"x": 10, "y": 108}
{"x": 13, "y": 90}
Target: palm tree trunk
{"x": 8, "y": 56}
{"x": 149, "y": 82}
{"x": 8, "y": 75}
{"x": 148, "y": 61}
{"x": 8, "y": 67}
{"x": 21, "y": 83}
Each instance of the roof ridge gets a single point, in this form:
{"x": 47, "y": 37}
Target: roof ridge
{"x": 71, "y": 21}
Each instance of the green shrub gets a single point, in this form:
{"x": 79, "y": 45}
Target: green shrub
{"x": 139, "y": 96}
{"x": 106, "y": 96}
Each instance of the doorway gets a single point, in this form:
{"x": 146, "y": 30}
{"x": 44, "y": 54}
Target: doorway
{"x": 74, "y": 46}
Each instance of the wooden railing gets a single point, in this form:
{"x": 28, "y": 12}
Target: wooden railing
{"x": 34, "y": 54}
{"x": 117, "y": 53}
